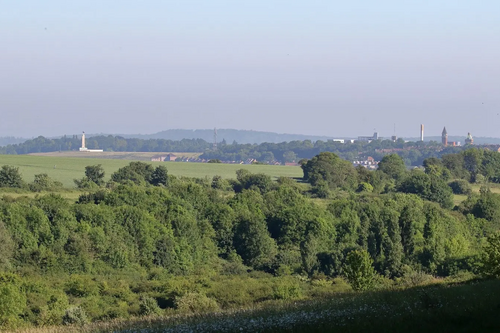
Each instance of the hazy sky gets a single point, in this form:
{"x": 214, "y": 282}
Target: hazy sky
{"x": 336, "y": 68}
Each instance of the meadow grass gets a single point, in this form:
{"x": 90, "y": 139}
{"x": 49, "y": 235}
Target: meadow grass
{"x": 137, "y": 156}
{"x": 65, "y": 169}
{"x": 459, "y": 198}
{"x": 443, "y": 307}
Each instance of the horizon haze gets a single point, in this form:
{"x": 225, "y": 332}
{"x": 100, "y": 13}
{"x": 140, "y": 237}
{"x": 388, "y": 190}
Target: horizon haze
{"x": 319, "y": 68}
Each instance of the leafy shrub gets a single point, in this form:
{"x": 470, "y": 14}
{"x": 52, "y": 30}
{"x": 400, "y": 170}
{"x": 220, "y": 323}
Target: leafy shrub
{"x": 81, "y": 286}
{"x": 148, "y": 307}
{"x": 43, "y": 182}
{"x": 12, "y": 300}
{"x": 365, "y": 187}
{"x": 413, "y": 278}
{"x": 287, "y": 291}
{"x": 460, "y": 186}
{"x": 321, "y": 189}
{"x": 359, "y": 270}
{"x": 75, "y": 316}
{"x": 10, "y": 177}
{"x": 195, "y": 302}
{"x": 491, "y": 256}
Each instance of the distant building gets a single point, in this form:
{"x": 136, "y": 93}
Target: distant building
{"x": 368, "y": 138}
{"x": 164, "y": 158}
{"x": 369, "y": 163}
{"x": 469, "y": 140}
{"x": 170, "y": 157}
{"x": 444, "y": 137}
{"x": 157, "y": 158}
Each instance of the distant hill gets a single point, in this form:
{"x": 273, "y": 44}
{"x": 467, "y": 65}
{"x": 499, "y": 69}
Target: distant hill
{"x": 230, "y": 135}
{"x": 10, "y": 140}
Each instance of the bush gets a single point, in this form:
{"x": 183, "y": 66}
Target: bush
{"x": 43, "y": 182}
{"x": 81, "y": 286}
{"x": 287, "y": 291}
{"x": 195, "y": 302}
{"x": 365, "y": 187}
{"x": 460, "y": 186}
{"x": 10, "y": 177}
{"x": 75, "y": 316}
{"x": 148, "y": 307}
{"x": 359, "y": 270}
{"x": 491, "y": 256}
{"x": 413, "y": 278}
{"x": 12, "y": 301}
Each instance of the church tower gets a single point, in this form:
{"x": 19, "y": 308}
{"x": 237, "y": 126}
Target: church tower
{"x": 444, "y": 137}
{"x": 469, "y": 140}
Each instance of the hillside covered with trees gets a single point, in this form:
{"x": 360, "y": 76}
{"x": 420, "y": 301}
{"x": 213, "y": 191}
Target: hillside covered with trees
{"x": 148, "y": 243}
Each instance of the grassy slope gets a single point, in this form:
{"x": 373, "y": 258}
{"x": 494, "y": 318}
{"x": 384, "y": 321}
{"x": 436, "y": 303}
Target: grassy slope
{"x": 470, "y": 307}
{"x": 65, "y": 169}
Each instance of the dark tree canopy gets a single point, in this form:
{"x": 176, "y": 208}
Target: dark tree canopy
{"x": 393, "y": 166}
{"x": 10, "y": 177}
{"x": 328, "y": 167}
{"x": 95, "y": 173}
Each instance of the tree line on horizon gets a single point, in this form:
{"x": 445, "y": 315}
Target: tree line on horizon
{"x": 413, "y": 153}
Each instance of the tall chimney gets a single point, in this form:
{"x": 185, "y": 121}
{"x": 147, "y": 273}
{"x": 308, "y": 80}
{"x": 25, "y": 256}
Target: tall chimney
{"x": 422, "y": 132}
{"x": 83, "y": 140}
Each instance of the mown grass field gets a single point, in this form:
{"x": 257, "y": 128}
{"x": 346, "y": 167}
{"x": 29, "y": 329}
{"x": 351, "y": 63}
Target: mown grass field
{"x": 137, "y": 156}
{"x": 65, "y": 169}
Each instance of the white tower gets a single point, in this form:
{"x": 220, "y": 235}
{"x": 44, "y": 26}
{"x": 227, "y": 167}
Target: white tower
{"x": 83, "y": 148}
{"x": 421, "y": 132}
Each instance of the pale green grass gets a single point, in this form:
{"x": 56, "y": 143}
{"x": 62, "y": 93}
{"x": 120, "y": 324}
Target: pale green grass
{"x": 458, "y": 198}
{"x": 65, "y": 169}
{"x": 69, "y": 195}
{"x": 137, "y": 156}
{"x": 494, "y": 188}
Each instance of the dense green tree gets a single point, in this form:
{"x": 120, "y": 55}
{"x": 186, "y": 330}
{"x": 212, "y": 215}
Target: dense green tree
{"x": 359, "y": 271}
{"x": 328, "y": 167}
{"x": 160, "y": 176}
{"x": 137, "y": 172}
{"x": 434, "y": 167}
{"x": 490, "y": 166}
{"x": 460, "y": 186}
{"x": 12, "y": 301}
{"x": 432, "y": 188}
{"x": 258, "y": 181}
{"x": 472, "y": 162}
{"x": 43, "y": 182}
{"x": 393, "y": 166}
{"x": 289, "y": 156}
{"x": 491, "y": 256}
{"x": 455, "y": 163}
{"x": 10, "y": 177}
{"x": 6, "y": 248}
{"x": 95, "y": 173}
{"x": 253, "y": 242}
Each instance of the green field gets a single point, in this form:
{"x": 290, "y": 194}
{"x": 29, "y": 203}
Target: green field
{"x": 65, "y": 169}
